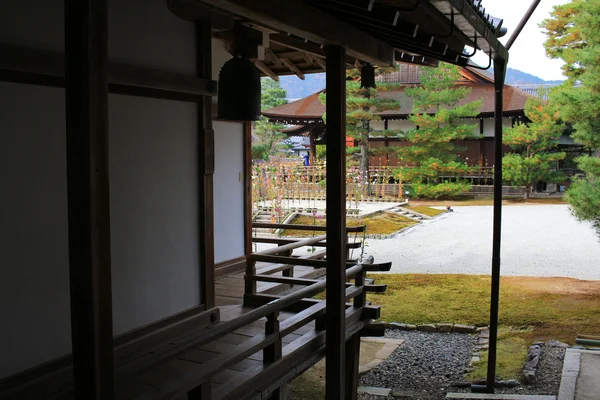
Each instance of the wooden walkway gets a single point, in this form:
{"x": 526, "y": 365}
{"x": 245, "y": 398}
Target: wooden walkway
{"x": 229, "y": 291}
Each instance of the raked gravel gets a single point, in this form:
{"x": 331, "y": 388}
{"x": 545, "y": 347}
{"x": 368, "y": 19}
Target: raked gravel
{"x": 537, "y": 240}
{"x": 426, "y": 364}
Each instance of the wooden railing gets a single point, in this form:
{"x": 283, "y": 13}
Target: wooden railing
{"x": 197, "y": 384}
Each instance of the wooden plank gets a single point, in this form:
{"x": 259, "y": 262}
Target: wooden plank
{"x": 131, "y": 390}
{"x": 266, "y": 70}
{"x": 352, "y": 363}
{"x": 353, "y": 245}
{"x": 206, "y": 167}
{"x": 199, "y": 356}
{"x": 360, "y": 228}
{"x": 193, "y": 378}
{"x": 88, "y": 197}
{"x": 47, "y": 68}
{"x": 305, "y": 21}
{"x": 293, "y": 68}
{"x": 336, "y": 220}
{"x": 290, "y": 260}
{"x": 153, "y": 377}
{"x": 288, "y": 247}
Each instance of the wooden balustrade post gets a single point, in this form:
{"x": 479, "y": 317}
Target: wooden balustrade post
{"x": 273, "y": 352}
{"x": 250, "y": 284}
{"x": 361, "y": 299}
{"x": 202, "y": 392}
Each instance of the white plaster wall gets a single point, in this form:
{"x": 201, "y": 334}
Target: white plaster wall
{"x": 146, "y": 33}
{"x": 488, "y": 126}
{"x": 154, "y": 209}
{"x": 228, "y": 190}
{"x": 400, "y": 124}
{"x": 229, "y": 165}
{"x": 34, "y": 264}
{"x": 37, "y": 24}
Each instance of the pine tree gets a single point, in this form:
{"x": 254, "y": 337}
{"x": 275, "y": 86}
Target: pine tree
{"x": 573, "y": 36}
{"x": 362, "y": 107}
{"x": 268, "y": 139}
{"x": 437, "y": 116}
{"x": 534, "y": 143}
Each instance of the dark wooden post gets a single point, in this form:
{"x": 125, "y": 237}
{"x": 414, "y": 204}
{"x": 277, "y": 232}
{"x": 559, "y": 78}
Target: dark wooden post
{"x": 353, "y": 345}
{"x": 336, "y": 221}
{"x": 499, "y": 75}
{"x": 206, "y": 170}
{"x": 86, "y": 94}
{"x": 273, "y": 352}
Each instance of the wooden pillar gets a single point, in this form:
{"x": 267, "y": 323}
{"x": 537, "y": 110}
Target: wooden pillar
{"x": 86, "y": 94}
{"x": 336, "y": 220}
{"x": 206, "y": 169}
{"x": 499, "y": 76}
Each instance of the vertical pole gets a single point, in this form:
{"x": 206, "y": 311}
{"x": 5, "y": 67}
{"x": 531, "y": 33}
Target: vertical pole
{"x": 206, "y": 169}
{"x": 499, "y": 75}
{"x": 86, "y": 94}
{"x": 336, "y": 220}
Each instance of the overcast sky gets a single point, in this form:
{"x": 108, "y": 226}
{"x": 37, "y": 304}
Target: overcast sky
{"x": 527, "y": 53}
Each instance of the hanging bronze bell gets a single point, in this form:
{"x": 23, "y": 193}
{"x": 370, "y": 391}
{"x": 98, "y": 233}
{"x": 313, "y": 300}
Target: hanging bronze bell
{"x": 239, "y": 91}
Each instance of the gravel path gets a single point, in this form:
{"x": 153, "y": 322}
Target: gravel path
{"x": 537, "y": 240}
{"x": 426, "y": 364}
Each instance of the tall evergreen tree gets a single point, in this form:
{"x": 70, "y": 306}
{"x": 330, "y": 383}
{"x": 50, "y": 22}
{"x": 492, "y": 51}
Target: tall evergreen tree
{"x": 534, "y": 144}
{"x": 437, "y": 117}
{"x": 268, "y": 139}
{"x": 573, "y": 35}
{"x": 362, "y": 107}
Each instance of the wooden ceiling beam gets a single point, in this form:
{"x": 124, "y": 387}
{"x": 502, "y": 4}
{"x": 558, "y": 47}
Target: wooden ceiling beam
{"x": 266, "y": 70}
{"x": 308, "y": 22}
{"x": 273, "y": 57}
{"x": 303, "y": 46}
{"x": 321, "y": 63}
{"x": 293, "y": 68}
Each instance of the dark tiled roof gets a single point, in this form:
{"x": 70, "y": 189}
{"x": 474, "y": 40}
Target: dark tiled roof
{"x": 310, "y": 109}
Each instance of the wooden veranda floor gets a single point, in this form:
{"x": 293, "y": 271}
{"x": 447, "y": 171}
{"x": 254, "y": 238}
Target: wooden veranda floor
{"x": 229, "y": 291}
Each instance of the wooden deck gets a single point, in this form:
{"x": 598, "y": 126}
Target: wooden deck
{"x": 229, "y": 383}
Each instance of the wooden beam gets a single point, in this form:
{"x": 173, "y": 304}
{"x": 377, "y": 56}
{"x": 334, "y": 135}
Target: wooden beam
{"x": 336, "y": 221}
{"x": 292, "y": 68}
{"x": 206, "y": 169}
{"x": 86, "y": 94}
{"x": 321, "y": 63}
{"x": 266, "y": 70}
{"x": 308, "y": 22}
{"x": 273, "y": 57}
{"x": 46, "y": 68}
{"x": 302, "y": 46}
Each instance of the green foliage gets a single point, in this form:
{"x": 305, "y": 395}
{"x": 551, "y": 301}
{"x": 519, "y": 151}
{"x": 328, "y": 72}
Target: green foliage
{"x": 267, "y": 137}
{"x": 573, "y": 35}
{"x": 437, "y": 190}
{"x": 362, "y": 108}
{"x": 534, "y": 142}
{"x": 584, "y": 193}
{"x": 437, "y": 114}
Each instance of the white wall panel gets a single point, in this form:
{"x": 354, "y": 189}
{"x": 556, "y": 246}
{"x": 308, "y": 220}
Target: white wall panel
{"x": 34, "y": 259}
{"x": 154, "y": 209}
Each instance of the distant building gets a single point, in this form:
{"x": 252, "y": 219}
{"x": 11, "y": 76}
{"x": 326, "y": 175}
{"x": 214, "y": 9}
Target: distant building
{"x": 306, "y": 115}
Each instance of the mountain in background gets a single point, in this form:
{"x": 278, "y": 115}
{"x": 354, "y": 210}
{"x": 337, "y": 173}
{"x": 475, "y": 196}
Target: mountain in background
{"x": 297, "y": 88}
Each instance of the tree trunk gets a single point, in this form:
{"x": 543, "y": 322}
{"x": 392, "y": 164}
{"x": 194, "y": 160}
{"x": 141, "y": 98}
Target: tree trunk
{"x": 364, "y": 163}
